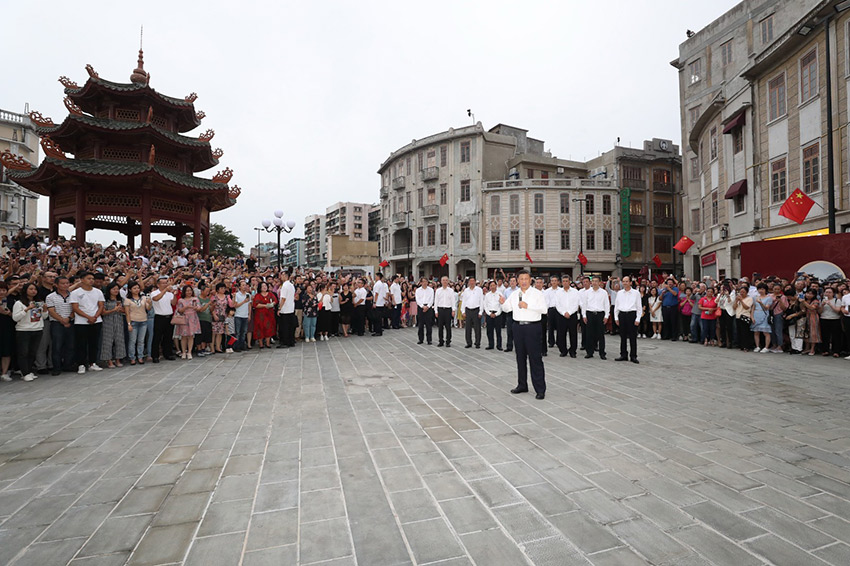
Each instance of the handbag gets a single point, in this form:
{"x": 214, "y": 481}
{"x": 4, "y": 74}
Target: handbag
{"x": 718, "y": 313}
{"x": 178, "y": 319}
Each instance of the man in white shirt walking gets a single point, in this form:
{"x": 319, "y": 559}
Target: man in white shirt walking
{"x": 597, "y": 305}
{"x": 445, "y": 301}
{"x": 286, "y": 310}
{"x": 527, "y": 304}
{"x": 395, "y": 292}
{"x": 552, "y": 313}
{"x": 87, "y": 304}
{"x": 379, "y": 293}
{"x": 506, "y": 293}
{"x": 472, "y": 300}
{"x": 425, "y": 304}
{"x": 627, "y": 308}
{"x": 567, "y": 303}
{"x": 494, "y": 316}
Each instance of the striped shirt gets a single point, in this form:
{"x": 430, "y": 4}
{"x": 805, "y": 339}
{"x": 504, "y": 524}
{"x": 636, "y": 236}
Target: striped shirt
{"x": 60, "y": 304}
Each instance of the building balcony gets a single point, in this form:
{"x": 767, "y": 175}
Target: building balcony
{"x": 385, "y": 192}
{"x": 398, "y": 183}
{"x": 663, "y": 222}
{"x": 634, "y": 184}
{"x": 662, "y": 187}
{"x": 430, "y": 210}
{"x": 400, "y": 218}
{"x": 553, "y": 183}
{"x": 402, "y": 250}
{"x": 637, "y": 219}
{"x": 430, "y": 173}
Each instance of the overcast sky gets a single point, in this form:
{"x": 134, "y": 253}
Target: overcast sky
{"x": 308, "y": 98}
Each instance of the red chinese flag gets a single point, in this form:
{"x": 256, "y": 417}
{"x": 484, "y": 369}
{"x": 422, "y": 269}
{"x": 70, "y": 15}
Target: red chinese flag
{"x": 797, "y": 206}
{"x": 444, "y": 260}
{"x": 657, "y": 261}
{"x": 528, "y": 257}
{"x": 684, "y": 244}
{"x": 582, "y": 259}
{"x": 384, "y": 263}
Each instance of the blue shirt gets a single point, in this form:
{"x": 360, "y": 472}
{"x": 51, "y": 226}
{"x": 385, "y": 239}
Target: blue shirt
{"x": 670, "y": 298}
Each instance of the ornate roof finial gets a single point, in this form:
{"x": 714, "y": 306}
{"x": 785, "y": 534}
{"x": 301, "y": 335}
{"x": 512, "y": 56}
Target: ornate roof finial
{"x": 139, "y": 75}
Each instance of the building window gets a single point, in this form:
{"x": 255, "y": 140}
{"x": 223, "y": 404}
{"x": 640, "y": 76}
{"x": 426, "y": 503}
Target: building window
{"x": 776, "y": 97}
{"x": 444, "y": 234}
{"x": 464, "y": 191}
{"x": 767, "y": 30}
{"x": 778, "y": 187}
{"x": 529, "y": 173}
{"x": 565, "y": 239}
{"x": 444, "y": 192}
{"x": 432, "y": 195}
{"x": 636, "y": 243}
{"x": 695, "y": 217}
{"x": 694, "y": 167}
{"x": 419, "y": 236}
{"x": 636, "y": 207}
{"x": 465, "y": 234}
{"x": 663, "y": 244}
{"x": 420, "y": 197}
{"x": 443, "y": 155}
{"x": 544, "y": 174}
{"x": 715, "y": 209}
{"x": 514, "y": 239}
{"x": 590, "y": 240}
{"x": 632, "y": 173}
{"x": 809, "y": 75}
{"x": 538, "y": 239}
{"x": 712, "y": 144}
{"x": 607, "y": 240}
{"x": 693, "y": 116}
{"x": 514, "y": 204}
{"x": 589, "y": 204}
{"x": 565, "y": 203}
{"x": 538, "y": 203}
{"x": 432, "y": 235}
{"x": 431, "y": 158}
{"x": 495, "y": 240}
{"x": 695, "y": 69}
{"x": 662, "y": 209}
{"x": 606, "y": 205}
{"x": 494, "y": 204}
{"x": 726, "y": 53}
{"x": 420, "y": 160}
{"x": 738, "y": 140}
{"x": 811, "y": 168}
{"x": 464, "y": 152}
{"x": 739, "y": 204}
{"x": 408, "y": 166}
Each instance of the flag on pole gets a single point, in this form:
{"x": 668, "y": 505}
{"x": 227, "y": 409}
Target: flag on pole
{"x": 684, "y": 244}
{"x": 444, "y": 260}
{"x": 657, "y": 260}
{"x": 528, "y": 257}
{"x": 797, "y": 206}
{"x": 582, "y": 259}
{"x": 384, "y": 263}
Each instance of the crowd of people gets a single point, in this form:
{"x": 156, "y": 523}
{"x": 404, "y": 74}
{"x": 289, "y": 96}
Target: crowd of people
{"x": 67, "y": 308}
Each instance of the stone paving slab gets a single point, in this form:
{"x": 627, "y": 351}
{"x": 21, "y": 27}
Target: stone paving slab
{"x": 373, "y": 451}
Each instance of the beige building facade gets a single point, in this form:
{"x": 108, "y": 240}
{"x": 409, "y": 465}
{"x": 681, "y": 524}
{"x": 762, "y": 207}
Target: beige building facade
{"x": 18, "y": 206}
{"x": 315, "y": 241}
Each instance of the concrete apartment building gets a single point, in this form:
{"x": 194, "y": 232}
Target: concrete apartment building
{"x": 295, "y": 257}
{"x": 18, "y": 206}
{"x": 649, "y": 183}
{"x": 348, "y": 219}
{"x": 753, "y": 104}
{"x": 315, "y": 241}
{"x": 374, "y": 214}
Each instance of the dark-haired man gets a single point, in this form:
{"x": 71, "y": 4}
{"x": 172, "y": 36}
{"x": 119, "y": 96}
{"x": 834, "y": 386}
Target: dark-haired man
{"x": 527, "y": 305}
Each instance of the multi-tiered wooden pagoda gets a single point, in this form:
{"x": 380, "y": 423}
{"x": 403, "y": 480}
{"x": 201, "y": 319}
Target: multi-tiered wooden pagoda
{"x": 132, "y": 168}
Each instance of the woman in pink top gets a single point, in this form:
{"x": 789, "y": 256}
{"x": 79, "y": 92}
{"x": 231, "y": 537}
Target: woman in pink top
{"x": 708, "y": 317}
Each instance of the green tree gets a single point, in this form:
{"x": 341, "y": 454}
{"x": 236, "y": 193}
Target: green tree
{"x": 222, "y": 241}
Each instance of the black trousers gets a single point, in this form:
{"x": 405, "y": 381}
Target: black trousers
{"x": 595, "y": 333}
{"x": 444, "y": 322}
{"x": 62, "y": 346}
{"x": 162, "y": 337}
{"x": 26, "y": 342}
{"x": 745, "y": 335}
{"x": 358, "y": 321}
{"x": 494, "y": 330}
{"x": 396, "y": 317}
{"x": 334, "y": 329}
{"x": 552, "y": 315}
{"x": 831, "y": 336}
{"x": 670, "y": 323}
{"x": 527, "y": 340}
{"x": 567, "y": 325}
{"x": 87, "y": 343}
{"x": 379, "y": 314}
{"x": 425, "y": 322}
{"x": 628, "y": 334}
{"x": 727, "y": 329}
{"x": 583, "y": 327}
{"x": 473, "y": 322}
{"x": 286, "y": 329}
{"x": 509, "y": 324}
{"x": 544, "y": 324}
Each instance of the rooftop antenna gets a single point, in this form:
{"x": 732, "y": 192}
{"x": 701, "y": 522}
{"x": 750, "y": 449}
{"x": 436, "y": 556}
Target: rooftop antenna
{"x": 141, "y": 36}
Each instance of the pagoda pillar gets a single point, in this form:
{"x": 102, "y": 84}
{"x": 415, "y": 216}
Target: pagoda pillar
{"x": 131, "y": 233}
{"x": 206, "y": 231}
{"x": 196, "y": 220}
{"x": 54, "y": 223}
{"x": 179, "y": 232}
{"x": 80, "y": 218}
{"x": 146, "y": 220}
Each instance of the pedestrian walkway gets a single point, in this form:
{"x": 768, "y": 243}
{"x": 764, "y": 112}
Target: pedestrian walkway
{"x": 374, "y": 451}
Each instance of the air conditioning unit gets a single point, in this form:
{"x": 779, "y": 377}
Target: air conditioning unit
{"x": 560, "y": 170}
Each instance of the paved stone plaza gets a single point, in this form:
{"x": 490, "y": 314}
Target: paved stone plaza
{"x": 376, "y": 451}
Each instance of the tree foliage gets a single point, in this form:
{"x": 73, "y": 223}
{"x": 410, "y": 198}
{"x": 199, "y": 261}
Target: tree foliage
{"x": 222, "y": 241}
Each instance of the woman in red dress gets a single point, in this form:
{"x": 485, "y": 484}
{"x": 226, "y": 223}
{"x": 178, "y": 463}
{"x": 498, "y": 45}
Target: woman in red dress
{"x": 264, "y": 316}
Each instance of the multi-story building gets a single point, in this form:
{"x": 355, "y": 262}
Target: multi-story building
{"x": 18, "y": 206}
{"x": 374, "y": 213}
{"x": 649, "y": 183}
{"x": 315, "y": 241}
{"x": 295, "y": 257}
{"x": 753, "y": 102}
{"x": 348, "y": 219}
{"x": 264, "y": 253}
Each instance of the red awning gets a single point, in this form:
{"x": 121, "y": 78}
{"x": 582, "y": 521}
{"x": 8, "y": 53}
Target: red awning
{"x": 737, "y": 122}
{"x": 739, "y": 188}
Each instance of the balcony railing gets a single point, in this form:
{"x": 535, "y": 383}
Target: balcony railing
{"x": 385, "y": 192}
{"x": 398, "y": 183}
{"x": 664, "y": 222}
{"x": 400, "y": 218}
{"x": 556, "y": 183}
{"x": 402, "y": 250}
{"x": 637, "y": 219}
{"x": 662, "y": 187}
{"x": 430, "y": 173}
{"x": 635, "y": 184}
{"x": 430, "y": 210}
